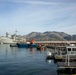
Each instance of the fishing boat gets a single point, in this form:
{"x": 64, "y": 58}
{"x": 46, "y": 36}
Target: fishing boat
{"x": 69, "y": 52}
{"x": 31, "y": 44}
{"x": 25, "y": 45}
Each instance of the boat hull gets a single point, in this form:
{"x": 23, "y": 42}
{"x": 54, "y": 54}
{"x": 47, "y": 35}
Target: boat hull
{"x": 27, "y": 45}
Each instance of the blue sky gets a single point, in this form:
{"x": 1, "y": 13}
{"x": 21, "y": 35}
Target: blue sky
{"x": 27, "y": 16}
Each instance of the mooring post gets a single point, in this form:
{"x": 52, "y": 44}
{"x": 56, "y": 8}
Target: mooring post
{"x": 68, "y": 60}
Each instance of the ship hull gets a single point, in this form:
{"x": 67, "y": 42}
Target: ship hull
{"x": 5, "y": 40}
{"x": 27, "y": 45}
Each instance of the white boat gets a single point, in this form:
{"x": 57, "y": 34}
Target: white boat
{"x": 49, "y": 53}
{"x": 71, "y": 49}
{"x": 7, "y": 39}
{"x": 70, "y": 54}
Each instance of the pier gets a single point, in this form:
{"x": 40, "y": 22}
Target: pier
{"x": 65, "y": 56}
{"x": 55, "y": 43}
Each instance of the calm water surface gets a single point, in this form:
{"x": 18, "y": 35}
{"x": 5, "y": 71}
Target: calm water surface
{"x": 22, "y": 61}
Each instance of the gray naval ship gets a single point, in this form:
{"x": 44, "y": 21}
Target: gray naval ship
{"x": 10, "y": 39}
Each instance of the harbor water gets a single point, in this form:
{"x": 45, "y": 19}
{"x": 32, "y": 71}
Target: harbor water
{"x": 25, "y": 61}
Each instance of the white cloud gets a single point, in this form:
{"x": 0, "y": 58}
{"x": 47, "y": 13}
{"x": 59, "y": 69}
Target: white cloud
{"x": 41, "y": 2}
{"x": 31, "y": 2}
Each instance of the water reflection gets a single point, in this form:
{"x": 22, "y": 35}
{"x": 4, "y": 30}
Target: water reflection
{"x": 4, "y": 50}
{"x": 25, "y": 61}
{"x": 32, "y": 50}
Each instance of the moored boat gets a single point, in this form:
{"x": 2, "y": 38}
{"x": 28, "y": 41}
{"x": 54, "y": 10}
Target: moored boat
{"x": 70, "y": 53}
{"x": 41, "y": 47}
{"x": 30, "y": 44}
{"x": 8, "y": 39}
{"x": 14, "y": 45}
{"x": 25, "y": 45}
{"x": 49, "y": 55}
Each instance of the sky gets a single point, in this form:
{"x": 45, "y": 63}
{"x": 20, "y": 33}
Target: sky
{"x": 27, "y": 16}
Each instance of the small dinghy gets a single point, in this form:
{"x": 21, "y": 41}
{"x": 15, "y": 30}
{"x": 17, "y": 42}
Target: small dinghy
{"x": 49, "y": 55}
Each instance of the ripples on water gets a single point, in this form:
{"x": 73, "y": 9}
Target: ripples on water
{"x": 22, "y": 61}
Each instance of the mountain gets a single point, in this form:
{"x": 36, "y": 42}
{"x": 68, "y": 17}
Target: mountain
{"x": 49, "y": 35}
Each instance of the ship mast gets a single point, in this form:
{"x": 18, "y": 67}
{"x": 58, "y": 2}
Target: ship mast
{"x": 7, "y": 34}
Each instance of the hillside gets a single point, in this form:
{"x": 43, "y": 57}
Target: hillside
{"x": 49, "y": 35}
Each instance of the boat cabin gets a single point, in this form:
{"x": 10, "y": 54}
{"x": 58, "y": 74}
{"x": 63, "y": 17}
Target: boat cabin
{"x": 71, "y": 50}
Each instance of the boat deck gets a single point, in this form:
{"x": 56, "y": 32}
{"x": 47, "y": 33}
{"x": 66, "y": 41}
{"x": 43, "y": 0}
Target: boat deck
{"x": 65, "y": 65}
{"x": 64, "y": 57}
